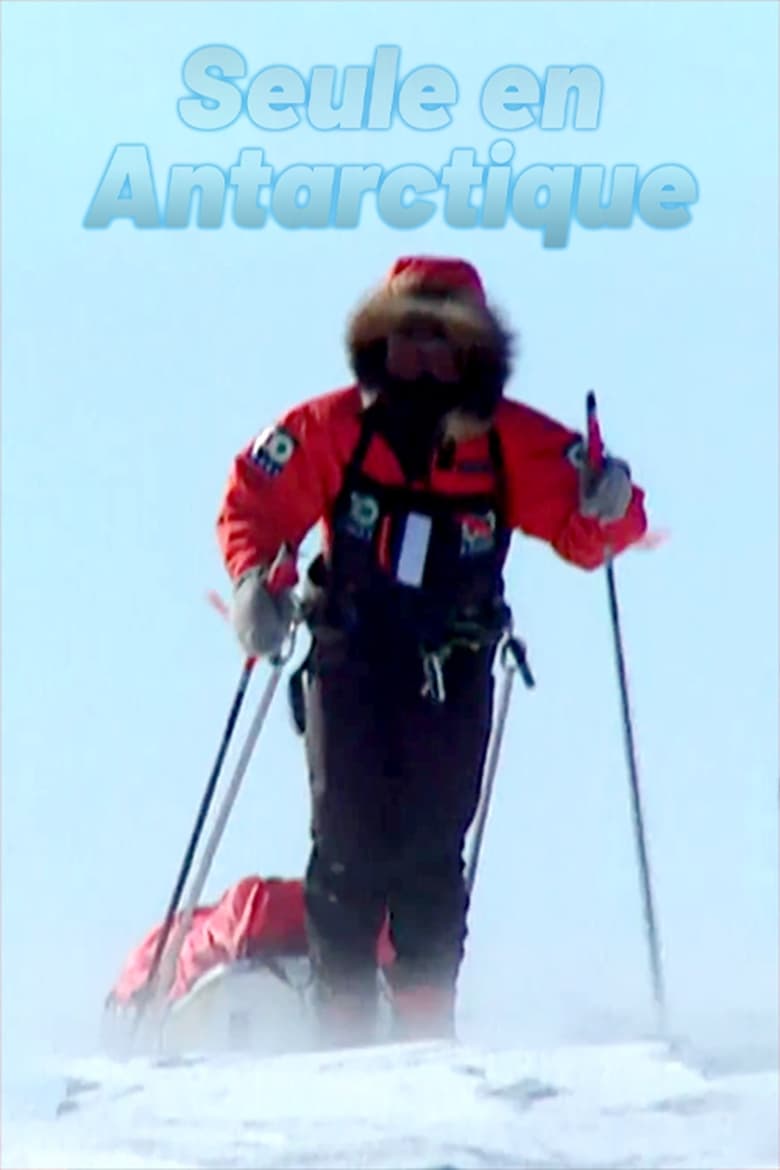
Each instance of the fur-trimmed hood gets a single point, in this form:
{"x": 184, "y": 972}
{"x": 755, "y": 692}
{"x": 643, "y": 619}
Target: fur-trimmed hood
{"x": 429, "y": 330}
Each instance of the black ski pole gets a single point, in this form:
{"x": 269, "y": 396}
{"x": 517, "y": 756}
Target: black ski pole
{"x": 170, "y": 957}
{"x": 189, "y": 855}
{"x": 595, "y": 456}
{"x": 281, "y": 575}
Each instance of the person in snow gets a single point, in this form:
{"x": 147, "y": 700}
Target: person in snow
{"x": 420, "y": 470}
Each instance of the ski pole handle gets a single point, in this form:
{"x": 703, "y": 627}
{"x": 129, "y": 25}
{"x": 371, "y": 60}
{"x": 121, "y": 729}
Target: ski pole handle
{"x": 595, "y": 458}
{"x": 515, "y": 649}
{"x": 283, "y": 573}
{"x": 281, "y": 576}
{"x": 223, "y": 610}
{"x": 595, "y": 441}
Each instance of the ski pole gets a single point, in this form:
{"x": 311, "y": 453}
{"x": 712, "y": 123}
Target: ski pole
{"x": 281, "y": 575}
{"x": 149, "y": 987}
{"x": 513, "y": 658}
{"x": 171, "y": 957}
{"x": 595, "y": 456}
{"x": 168, "y": 965}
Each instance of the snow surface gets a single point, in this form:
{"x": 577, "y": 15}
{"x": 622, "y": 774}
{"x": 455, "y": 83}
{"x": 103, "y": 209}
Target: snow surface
{"x": 428, "y": 1107}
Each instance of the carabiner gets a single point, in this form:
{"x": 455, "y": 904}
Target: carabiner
{"x": 434, "y": 678}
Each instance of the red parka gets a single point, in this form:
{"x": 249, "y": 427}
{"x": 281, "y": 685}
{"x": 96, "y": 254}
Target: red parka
{"x": 280, "y": 498}
{"x": 289, "y": 477}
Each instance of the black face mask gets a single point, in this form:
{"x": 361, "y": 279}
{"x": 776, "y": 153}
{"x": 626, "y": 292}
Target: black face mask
{"x": 409, "y": 416}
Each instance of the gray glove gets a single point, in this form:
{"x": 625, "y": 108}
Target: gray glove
{"x": 605, "y": 495}
{"x": 261, "y": 620}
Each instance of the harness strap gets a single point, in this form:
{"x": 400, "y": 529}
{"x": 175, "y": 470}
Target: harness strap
{"x": 368, "y": 429}
{"x": 497, "y": 459}
{"x": 478, "y": 634}
{"x": 480, "y": 628}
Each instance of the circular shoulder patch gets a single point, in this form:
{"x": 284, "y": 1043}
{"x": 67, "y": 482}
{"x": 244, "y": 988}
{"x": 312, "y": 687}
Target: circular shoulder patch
{"x": 273, "y": 449}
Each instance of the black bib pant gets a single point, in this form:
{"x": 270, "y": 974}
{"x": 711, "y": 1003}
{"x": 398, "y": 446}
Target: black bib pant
{"x": 395, "y": 777}
{"x": 395, "y": 784}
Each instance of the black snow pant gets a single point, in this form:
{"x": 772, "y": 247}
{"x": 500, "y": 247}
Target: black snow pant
{"x": 395, "y": 783}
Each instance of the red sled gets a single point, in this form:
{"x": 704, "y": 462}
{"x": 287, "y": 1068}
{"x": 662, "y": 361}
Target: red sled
{"x": 242, "y": 976}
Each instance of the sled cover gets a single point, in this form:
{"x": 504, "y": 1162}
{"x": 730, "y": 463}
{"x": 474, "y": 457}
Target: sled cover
{"x": 254, "y": 919}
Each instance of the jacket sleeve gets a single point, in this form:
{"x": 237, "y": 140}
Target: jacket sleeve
{"x": 278, "y": 488}
{"x": 542, "y": 459}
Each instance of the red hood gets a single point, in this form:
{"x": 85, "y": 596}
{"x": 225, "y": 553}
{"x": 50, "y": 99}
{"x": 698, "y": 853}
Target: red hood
{"x": 437, "y": 271}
